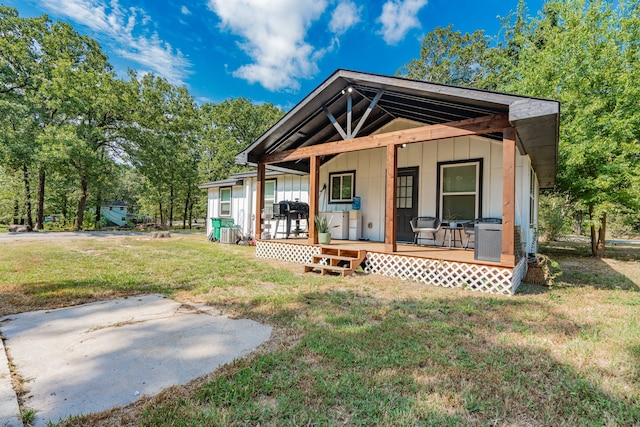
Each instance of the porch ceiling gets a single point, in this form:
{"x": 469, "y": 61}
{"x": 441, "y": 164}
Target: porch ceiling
{"x": 307, "y": 123}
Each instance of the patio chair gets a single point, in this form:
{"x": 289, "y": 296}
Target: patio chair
{"x": 425, "y": 224}
{"x": 469, "y": 228}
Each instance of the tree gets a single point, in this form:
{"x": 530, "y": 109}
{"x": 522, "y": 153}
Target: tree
{"x": 21, "y": 72}
{"x": 163, "y": 141}
{"x": 450, "y": 57}
{"x": 586, "y": 55}
{"x": 228, "y": 128}
{"x": 85, "y": 98}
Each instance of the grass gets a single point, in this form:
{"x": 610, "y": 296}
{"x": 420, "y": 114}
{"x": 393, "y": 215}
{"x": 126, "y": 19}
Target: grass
{"x": 366, "y": 350}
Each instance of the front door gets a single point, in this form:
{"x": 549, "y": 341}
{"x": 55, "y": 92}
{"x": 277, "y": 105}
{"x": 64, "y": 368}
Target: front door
{"x": 406, "y": 202}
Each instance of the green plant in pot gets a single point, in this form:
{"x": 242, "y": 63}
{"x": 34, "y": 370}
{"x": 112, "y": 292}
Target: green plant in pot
{"x": 451, "y": 219}
{"x": 322, "y": 227}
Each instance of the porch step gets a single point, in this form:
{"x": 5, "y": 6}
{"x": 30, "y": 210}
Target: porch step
{"x": 336, "y": 260}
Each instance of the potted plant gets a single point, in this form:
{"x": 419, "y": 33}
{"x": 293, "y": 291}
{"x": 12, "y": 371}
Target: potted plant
{"x": 322, "y": 227}
{"x": 451, "y": 219}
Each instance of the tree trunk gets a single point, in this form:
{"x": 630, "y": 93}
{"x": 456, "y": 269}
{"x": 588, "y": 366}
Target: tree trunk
{"x": 161, "y": 213}
{"x": 601, "y": 237}
{"x": 186, "y": 211}
{"x": 81, "y": 204}
{"x": 16, "y": 212}
{"x": 98, "y": 210}
{"x": 27, "y": 197}
{"x": 170, "y": 206}
{"x": 40, "y": 208}
{"x": 190, "y": 214}
{"x": 577, "y": 225}
{"x": 598, "y": 236}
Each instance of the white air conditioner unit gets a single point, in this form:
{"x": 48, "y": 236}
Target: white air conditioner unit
{"x": 228, "y": 235}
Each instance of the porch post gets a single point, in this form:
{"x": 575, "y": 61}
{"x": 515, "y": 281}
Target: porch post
{"x": 259, "y": 199}
{"x": 390, "y": 244}
{"x": 508, "y": 196}
{"x": 314, "y": 179}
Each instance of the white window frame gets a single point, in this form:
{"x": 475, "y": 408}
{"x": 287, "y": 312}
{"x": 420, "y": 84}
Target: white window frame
{"x": 340, "y": 176}
{"x": 477, "y": 193}
{"x": 223, "y": 203}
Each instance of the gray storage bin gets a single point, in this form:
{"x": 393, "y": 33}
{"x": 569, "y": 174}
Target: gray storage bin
{"x": 488, "y": 244}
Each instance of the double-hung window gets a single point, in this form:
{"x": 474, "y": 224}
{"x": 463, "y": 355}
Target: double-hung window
{"x": 342, "y": 187}
{"x": 269, "y": 197}
{"x": 459, "y": 191}
{"x": 225, "y": 201}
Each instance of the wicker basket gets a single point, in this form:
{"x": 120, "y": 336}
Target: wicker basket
{"x": 535, "y": 272}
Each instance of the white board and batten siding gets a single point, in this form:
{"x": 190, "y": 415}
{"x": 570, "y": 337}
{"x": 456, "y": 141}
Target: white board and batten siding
{"x": 370, "y": 180}
{"x": 243, "y": 199}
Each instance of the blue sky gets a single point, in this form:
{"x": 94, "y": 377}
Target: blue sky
{"x": 267, "y": 50}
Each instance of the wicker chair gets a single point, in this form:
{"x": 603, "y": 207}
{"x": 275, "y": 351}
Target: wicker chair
{"x": 469, "y": 228}
{"x": 425, "y": 224}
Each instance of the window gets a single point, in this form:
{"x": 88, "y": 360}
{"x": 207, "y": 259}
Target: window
{"x": 225, "y": 201}
{"x": 342, "y": 187}
{"x": 532, "y": 199}
{"x": 459, "y": 190}
{"x": 269, "y": 196}
{"x": 404, "y": 192}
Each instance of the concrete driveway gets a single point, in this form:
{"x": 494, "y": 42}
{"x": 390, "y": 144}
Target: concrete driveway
{"x": 96, "y": 356}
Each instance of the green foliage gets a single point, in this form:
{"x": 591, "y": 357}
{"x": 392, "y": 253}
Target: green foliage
{"x": 227, "y": 129}
{"x": 584, "y": 54}
{"x": 322, "y": 224}
{"x": 449, "y": 57}
{"x": 65, "y": 117}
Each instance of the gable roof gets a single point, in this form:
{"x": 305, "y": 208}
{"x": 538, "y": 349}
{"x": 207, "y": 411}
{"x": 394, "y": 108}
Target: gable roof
{"x": 536, "y": 120}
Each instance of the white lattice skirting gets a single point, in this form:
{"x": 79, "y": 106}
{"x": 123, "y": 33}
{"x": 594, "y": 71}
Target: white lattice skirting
{"x": 301, "y": 254}
{"x": 448, "y": 274}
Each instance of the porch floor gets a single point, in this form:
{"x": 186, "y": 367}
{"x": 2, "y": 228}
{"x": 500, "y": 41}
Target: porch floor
{"x": 405, "y": 249}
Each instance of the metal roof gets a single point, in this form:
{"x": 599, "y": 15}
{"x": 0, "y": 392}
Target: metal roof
{"x": 536, "y": 120}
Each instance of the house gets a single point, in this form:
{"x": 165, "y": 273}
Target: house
{"x": 401, "y": 149}
{"x": 114, "y": 212}
{"x": 234, "y": 198}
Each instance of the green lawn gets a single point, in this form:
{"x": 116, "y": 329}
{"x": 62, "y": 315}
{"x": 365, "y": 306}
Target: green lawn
{"x": 366, "y": 350}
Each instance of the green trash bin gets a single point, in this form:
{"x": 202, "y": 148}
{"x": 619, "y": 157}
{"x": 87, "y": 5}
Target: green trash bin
{"x": 216, "y": 225}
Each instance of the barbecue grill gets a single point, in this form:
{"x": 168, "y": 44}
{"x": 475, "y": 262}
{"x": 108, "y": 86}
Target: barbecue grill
{"x": 292, "y": 213}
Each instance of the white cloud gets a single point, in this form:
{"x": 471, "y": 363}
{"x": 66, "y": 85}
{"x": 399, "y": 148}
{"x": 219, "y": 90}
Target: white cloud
{"x": 120, "y": 26}
{"x": 344, "y": 16}
{"x": 274, "y": 34}
{"x": 185, "y": 10}
{"x": 398, "y": 17}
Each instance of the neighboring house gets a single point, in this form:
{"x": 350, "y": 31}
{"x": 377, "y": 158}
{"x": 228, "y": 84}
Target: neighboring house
{"x": 409, "y": 148}
{"x": 115, "y": 212}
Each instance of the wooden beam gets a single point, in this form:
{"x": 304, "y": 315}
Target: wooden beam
{"x": 390, "y": 244}
{"x": 475, "y": 126}
{"x": 260, "y": 199}
{"x": 334, "y": 122}
{"x": 370, "y": 108}
{"x": 507, "y": 255}
{"x": 314, "y": 185}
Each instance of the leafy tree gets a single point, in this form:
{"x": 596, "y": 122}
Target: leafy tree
{"x": 21, "y": 71}
{"x": 85, "y": 98}
{"x": 586, "y": 55}
{"x": 163, "y": 142}
{"x": 450, "y": 57}
{"x": 228, "y": 128}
